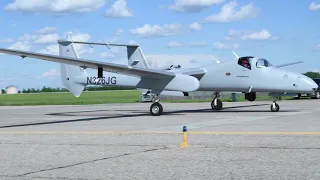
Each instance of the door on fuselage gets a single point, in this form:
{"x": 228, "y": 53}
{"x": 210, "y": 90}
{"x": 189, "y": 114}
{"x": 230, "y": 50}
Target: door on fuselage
{"x": 243, "y": 73}
{"x": 263, "y": 76}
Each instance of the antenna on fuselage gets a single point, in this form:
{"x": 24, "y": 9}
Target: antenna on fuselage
{"x": 215, "y": 59}
{"x": 236, "y": 55}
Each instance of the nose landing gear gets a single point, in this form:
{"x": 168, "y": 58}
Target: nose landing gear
{"x": 216, "y": 103}
{"x": 275, "y": 107}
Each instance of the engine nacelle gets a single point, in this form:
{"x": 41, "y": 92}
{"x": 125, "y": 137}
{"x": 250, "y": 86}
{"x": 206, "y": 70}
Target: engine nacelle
{"x": 250, "y": 96}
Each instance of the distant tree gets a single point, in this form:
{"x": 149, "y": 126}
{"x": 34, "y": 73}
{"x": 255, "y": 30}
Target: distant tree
{"x": 3, "y": 91}
{"x": 89, "y": 88}
{"x": 312, "y": 74}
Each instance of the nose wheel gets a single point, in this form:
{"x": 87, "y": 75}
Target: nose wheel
{"x": 274, "y": 107}
{"x": 216, "y": 103}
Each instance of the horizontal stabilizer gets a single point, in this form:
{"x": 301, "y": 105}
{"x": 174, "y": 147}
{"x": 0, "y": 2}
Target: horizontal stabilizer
{"x": 98, "y": 43}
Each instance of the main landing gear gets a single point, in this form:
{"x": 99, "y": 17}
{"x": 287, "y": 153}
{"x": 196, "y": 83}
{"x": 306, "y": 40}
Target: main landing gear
{"x": 216, "y": 103}
{"x": 156, "y": 108}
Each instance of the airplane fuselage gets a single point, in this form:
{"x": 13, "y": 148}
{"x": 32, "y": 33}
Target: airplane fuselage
{"x": 228, "y": 76}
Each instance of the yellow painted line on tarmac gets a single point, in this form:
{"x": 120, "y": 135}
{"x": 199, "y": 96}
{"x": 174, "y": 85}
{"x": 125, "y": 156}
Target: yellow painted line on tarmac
{"x": 158, "y": 132}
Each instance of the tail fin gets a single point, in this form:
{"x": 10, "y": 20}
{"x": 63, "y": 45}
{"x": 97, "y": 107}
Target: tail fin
{"x": 70, "y": 72}
{"x": 136, "y": 57}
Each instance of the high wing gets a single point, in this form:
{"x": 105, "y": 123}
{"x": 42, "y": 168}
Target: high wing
{"x": 288, "y": 64}
{"x": 109, "y": 67}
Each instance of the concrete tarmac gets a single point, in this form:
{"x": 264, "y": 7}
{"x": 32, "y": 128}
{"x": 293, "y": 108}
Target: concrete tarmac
{"x": 122, "y": 141}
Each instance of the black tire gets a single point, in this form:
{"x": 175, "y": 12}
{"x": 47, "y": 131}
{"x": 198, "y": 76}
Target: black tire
{"x": 156, "y": 109}
{"x": 298, "y": 97}
{"x": 276, "y": 109}
{"x": 219, "y": 105}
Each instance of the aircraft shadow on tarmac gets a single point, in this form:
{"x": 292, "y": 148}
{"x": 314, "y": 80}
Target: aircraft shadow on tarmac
{"x": 136, "y": 113}
{"x": 175, "y": 112}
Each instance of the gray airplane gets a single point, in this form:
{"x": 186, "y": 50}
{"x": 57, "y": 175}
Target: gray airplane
{"x": 247, "y": 75}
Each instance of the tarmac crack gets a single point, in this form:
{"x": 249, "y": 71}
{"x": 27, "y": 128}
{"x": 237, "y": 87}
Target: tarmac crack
{"x": 91, "y": 161}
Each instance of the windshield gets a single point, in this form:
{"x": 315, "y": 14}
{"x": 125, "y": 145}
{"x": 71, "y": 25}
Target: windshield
{"x": 317, "y": 81}
{"x": 263, "y": 63}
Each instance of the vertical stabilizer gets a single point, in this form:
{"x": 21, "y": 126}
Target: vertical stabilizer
{"x": 69, "y": 73}
{"x": 136, "y": 57}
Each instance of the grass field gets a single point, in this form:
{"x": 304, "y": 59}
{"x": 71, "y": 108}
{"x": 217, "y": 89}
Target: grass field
{"x": 69, "y": 99}
{"x": 102, "y": 97}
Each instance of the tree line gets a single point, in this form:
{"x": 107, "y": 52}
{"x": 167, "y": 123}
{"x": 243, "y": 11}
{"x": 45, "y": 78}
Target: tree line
{"x": 312, "y": 74}
{"x": 49, "y": 89}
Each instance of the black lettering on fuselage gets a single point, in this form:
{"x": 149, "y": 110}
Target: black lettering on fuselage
{"x": 102, "y": 81}
{"x": 242, "y": 76}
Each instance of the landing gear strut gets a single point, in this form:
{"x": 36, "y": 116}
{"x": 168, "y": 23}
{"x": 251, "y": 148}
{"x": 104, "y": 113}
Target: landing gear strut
{"x": 216, "y": 103}
{"x": 156, "y": 108}
{"x": 275, "y": 107}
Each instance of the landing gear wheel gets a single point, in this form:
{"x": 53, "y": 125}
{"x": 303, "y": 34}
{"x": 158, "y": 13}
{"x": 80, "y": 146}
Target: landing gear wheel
{"x": 275, "y": 107}
{"x": 156, "y": 109}
{"x": 218, "y": 105}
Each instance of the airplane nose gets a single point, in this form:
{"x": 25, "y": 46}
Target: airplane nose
{"x": 313, "y": 85}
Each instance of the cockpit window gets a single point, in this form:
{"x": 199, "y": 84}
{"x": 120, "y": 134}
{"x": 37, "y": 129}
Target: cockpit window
{"x": 317, "y": 81}
{"x": 245, "y": 62}
{"x": 263, "y": 63}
